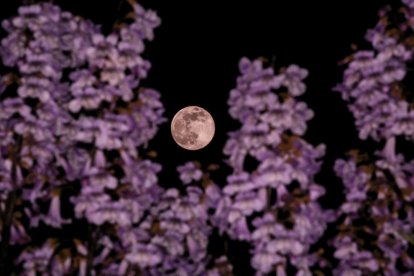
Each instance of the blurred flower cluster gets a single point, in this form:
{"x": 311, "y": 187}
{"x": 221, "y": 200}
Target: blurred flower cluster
{"x": 72, "y": 114}
{"x": 372, "y": 80}
{"x": 273, "y": 206}
{"x": 375, "y": 223}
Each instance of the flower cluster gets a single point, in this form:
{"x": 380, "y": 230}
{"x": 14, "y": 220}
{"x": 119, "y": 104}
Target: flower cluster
{"x": 171, "y": 237}
{"x": 375, "y": 223}
{"x": 275, "y": 206}
{"x": 377, "y": 216}
{"x": 189, "y": 172}
{"x": 79, "y": 113}
{"x": 222, "y": 267}
{"x": 372, "y": 82}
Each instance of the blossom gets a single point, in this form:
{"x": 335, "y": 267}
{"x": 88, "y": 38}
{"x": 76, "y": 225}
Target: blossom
{"x": 272, "y": 123}
{"x": 189, "y": 172}
{"x": 222, "y": 266}
{"x": 370, "y": 83}
{"x": 54, "y": 217}
{"x": 174, "y": 238}
{"x": 80, "y": 113}
{"x": 37, "y": 259}
{"x": 292, "y": 79}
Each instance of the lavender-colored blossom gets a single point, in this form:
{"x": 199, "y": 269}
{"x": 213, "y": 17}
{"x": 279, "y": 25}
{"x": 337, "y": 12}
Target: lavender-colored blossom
{"x": 18, "y": 234}
{"x": 272, "y": 121}
{"x": 189, "y": 172}
{"x": 54, "y": 218}
{"x": 173, "y": 239}
{"x": 293, "y": 77}
{"x": 389, "y": 178}
{"x": 10, "y": 107}
{"x": 371, "y": 85}
{"x": 37, "y": 259}
{"x": 145, "y": 256}
{"x": 88, "y": 99}
{"x": 44, "y": 45}
{"x": 352, "y": 260}
{"x": 355, "y": 183}
{"x": 378, "y": 188}
{"x": 222, "y": 266}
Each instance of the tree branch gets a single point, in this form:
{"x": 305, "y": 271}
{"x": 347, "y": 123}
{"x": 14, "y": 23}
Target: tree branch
{"x": 8, "y": 212}
{"x": 91, "y": 249}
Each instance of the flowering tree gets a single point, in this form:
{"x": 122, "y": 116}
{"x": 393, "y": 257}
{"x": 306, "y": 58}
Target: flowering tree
{"x": 376, "y": 221}
{"x": 274, "y": 207}
{"x": 79, "y": 193}
{"x": 71, "y": 118}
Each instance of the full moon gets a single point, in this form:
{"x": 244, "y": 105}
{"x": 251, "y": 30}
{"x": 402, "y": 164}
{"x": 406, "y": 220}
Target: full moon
{"x": 192, "y": 128}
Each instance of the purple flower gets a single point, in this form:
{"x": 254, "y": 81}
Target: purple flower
{"x": 38, "y": 62}
{"x": 271, "y": 124}
{"x": 352, "y": 259}
{"x": 123, "y": 212}
{"x": 73, "y": 163}
{"x": 39, "y": 129}
{"x": 213, "y": 194}
{"x": 409, "y": 3}
{"x": 264, "y": 262}
{"x": 101, "y": 49}
{"x": 273, "y": 172}
{"x": 369, "y": 86}
{"x": 88, "y": 99}
{"x": 81, "y": 79}
{"x": 130, "y": 50}
{"x": 285, "y": 246}
{"x": 148, "y": 21}
{"x": 63, "y": 147}
{"x": 87, "y": 129}
{"x": 36, "y": 88}
{"x": 142, "y": 175}
{"x": 54, "y": 217}
{"x": 354, "y": 180}
{"x": 13, "y": 47}
{"x": 112, "y": 73}
{"x": 18, "y": 234}
{"x": 12, "y": 106}
{"x": 61, "y": 265}
{"x": 177, "y": 232}
{"x": 189, "y": 172}
{"x": 145, "y": 256}
{"x": 37, "y": 259}
{"x": 293, "y": 77}
{"x": 222, "y": 266}
{"x": 237, "y": 183}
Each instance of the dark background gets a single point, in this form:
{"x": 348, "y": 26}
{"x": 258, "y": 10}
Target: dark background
{"x": 195, "y": 58}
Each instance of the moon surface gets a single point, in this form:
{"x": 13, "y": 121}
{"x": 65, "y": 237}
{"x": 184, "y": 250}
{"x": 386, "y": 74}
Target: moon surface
{"x": 192, "y": 128}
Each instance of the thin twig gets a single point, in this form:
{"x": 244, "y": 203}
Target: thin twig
{"x": 117, "y": 13}
{"x": 8, "y": 212}
{"x": 118, "y": 10}
{"x": 91, "y": 249}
